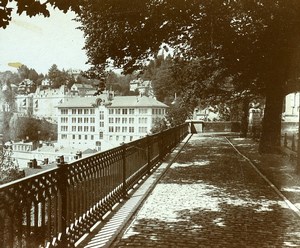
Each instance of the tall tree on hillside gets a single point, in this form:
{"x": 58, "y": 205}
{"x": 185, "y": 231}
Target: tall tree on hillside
{"x": 58, "y": 78}
{"x": 255, "y": 42}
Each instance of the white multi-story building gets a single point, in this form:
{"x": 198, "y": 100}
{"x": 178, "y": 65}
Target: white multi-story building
{"x": 43, "y": 103}
{"x": 103, "y": 122}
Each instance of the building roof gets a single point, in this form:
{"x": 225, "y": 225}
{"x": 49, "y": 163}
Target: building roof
{"x": 136, "y": 101}
{"x": 118, "y": 101}
{"x": 83, "y": 86}
{"x": 81, "y": 102}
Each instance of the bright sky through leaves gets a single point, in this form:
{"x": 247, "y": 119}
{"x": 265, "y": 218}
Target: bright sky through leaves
{"x": 40, "y": 42}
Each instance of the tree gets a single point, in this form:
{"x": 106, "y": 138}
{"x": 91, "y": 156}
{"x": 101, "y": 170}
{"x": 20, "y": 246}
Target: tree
{"x": 33, "y": 7}
{"x": 254, "y": 42}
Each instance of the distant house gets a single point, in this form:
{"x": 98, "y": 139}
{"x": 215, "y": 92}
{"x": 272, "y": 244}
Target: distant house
{"x": 42, "y": 103}
{"x": 143, "y": 87}
{"x": 82, "y": 89}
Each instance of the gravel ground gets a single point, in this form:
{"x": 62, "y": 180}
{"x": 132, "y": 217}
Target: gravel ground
{"x": 212, "y": 197}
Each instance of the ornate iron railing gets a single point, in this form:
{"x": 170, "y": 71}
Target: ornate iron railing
{"x": 56, "y": 207}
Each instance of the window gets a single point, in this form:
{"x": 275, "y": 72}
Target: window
{"x": 131, "y": 138}
{"x": 124, "y": 129}
{"x": 64, "y": 128}
{"x": 64, "y": 111}
{"x": 92, "y": 137}
{"x": 73, "y": 120}
{"x": 98, "y": 143}
{"x": 86, "y": 128}
{"x": 124, "y": 111}
{"x": 111, "y": 129}
{"x": 73, "y": 136}
{"x": 101, "y": 115}
{"x": 101, "y": 124}
{"x": 101, "y": 135}
{"x": 110, "y": 137}
{"x": 92, "y": 111}
{"x": 64, "y": 119}
{"x": 80, "y": 111}
{"x": 131, "y": 129}
{"x": 143, "y": 129}
{"x": 118, "y": 129}
{"x": 92, "y": 129}
{"x": 143, "y": 111}
{"x": 110, "y": 120}
{"x": 131, "y": 111}
{"x": 79, "y": 120}
{"x": 86, "y": 120}
{"x": 64, "y": 136}
{"x": 85, "y": 137}
{"x": 117, "y": 138}
{"x": 80, "y": 129}
{"x": 79, "y": 136}
{"x": 73, "y": 111}
{"x": 86, "y": 111}
{"x": 118, "y": 111}
{"x": 73, "y": 128}
{"x": 111, "y": 111}
{"x": 142, "y": 120}
{"x": 118, "y": 120}
{"x": 131, "y": 120}
{"x": 124, "y": 120}
{"x": 92, "y": 120}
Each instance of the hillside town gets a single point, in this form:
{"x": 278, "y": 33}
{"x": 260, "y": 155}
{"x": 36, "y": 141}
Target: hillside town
{"x": 149, "y": 124}
{"x": 87, "y": 123}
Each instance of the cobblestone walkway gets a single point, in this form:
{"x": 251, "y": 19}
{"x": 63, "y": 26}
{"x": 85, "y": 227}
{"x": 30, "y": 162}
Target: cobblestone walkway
{"x": 212, "y": 197}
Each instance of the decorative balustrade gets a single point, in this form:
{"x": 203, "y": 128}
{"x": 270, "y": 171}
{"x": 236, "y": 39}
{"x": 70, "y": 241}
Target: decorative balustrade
{"x": 55, "y": 208}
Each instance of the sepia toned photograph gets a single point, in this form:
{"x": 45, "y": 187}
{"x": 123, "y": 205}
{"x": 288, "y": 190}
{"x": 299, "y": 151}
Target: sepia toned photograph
{"x": 149, "y": 123}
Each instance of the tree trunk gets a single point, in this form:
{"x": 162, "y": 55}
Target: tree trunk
{"x": 244, "y": 120}
{"x": 271, "y": 126}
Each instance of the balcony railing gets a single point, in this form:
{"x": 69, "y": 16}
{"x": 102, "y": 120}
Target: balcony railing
{"x": 55, "y": 208}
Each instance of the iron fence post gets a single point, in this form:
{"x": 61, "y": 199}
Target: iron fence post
{"x": 148, "y": 154}
{"x": 62, "y": 184}
{"x": 124, "y": 186}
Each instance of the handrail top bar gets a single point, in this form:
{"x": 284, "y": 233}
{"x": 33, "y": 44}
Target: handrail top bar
{"x": 27, "y": 177}
{"x": 131, "y": 143}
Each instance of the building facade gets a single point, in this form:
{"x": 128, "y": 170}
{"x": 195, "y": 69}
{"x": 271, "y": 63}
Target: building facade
{"x": 103, "y": 122}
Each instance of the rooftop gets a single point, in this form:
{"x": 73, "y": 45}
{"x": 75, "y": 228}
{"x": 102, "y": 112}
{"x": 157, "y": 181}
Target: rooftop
{"x": 118, "y": 101}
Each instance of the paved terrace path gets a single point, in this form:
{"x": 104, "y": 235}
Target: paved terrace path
{"x": 212, "y": 197}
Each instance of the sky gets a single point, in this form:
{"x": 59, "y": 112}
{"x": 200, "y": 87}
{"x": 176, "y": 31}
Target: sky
{"x": 40, "y": 42}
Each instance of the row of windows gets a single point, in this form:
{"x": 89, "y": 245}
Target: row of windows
{"x": 158, "y": 111}
{"x": 125, "y": 111}
{"x": 118, "y": 111}
{"x": 83, "y": 120}
{"x": 118, "y": 129}
{"x": 78, "y": 136}
{"x": 119, "y": 119}
{"x": 81, "y": 111}
{"x": 79, "y": 128}
{"x": 119, "y": 138}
